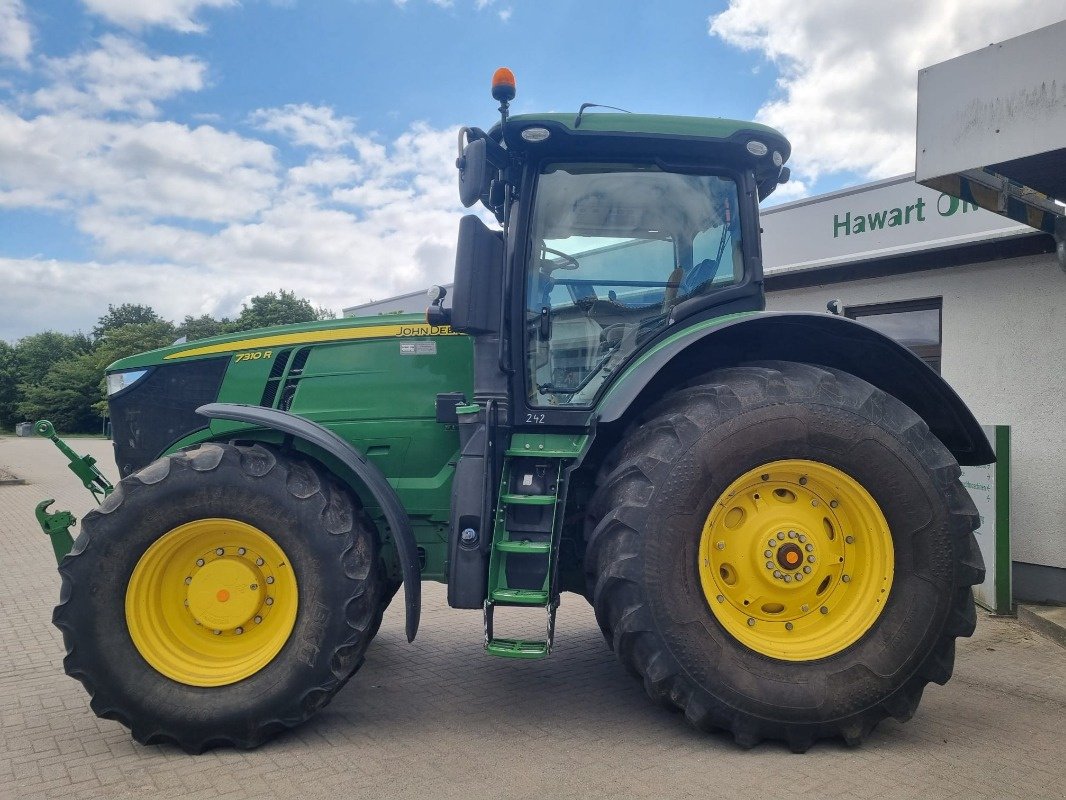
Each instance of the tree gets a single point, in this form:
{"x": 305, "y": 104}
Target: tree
{"x": 134, "y": 338}
{"x": 39, "y": 352}
{"x": 201, "y": 327}
{"x": 125, "y": 314}
{"x": 65, "y": 395}
{"x": 277, "y": 308}
{"x": 9, "y": 382}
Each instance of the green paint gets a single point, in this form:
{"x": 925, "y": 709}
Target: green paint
{"x": 57, "y": 526}
{"x": 657, "y": 125}
{"x": 683, "y": 333}
{"x": 1004, "y": 595}
{"x": 553, "y": 445}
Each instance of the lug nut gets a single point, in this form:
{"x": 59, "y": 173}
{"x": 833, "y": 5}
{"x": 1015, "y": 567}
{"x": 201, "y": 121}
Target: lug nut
{"x": 720, "y": 598}
{"x": 792, "y": 534}
{"x": 258, "y": 619}
{"x": 720, "y": 545}
{"x": 803, "y": 480}
{"x": 824, "y": 610}
{"x": 807, "y": 569}
{"x": 769, "y": 554}
{"x": 751, "y": 622}
{"x": 833, "y": 504}
{"x": 805, "y": 608}
{"x": 799, "y": 576}
{"x": 239, "y": 631}
{"x": 217, "y": 633}
{"x": 188, "y": 580}
{"x": 809, "y": 548}
{"x": 769, "y": 564}
{"x": 186, "y": 603}
{"x": 270, "y": 578}
{"x": 220, "y": 551}
{"x": 778, "y": 573}
{"x": 241, "y": 551}
{"x": 269, "y": 601}
{"x": 845, "y": 578}
{"x": 199, "y": 562}
{"x": 849, "y": 539}
{"x": 772, "y": 543}
{"x": 788, "y": 626}
{"x": 781, "y": 535}
{"x": 802, "y": 539}
{"x": 259, "y": 562}
{"x": 811, "y": 559}
{"x": 788, "y": 579}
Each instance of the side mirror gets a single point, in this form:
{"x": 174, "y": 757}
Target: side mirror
{"x": 476, "y": 294}
{"x": 784, "y": 175}
{"x": 473, "y": 172}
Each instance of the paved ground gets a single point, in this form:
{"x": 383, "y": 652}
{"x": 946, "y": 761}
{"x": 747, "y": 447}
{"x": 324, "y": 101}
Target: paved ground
{"x": 439, "y": 719}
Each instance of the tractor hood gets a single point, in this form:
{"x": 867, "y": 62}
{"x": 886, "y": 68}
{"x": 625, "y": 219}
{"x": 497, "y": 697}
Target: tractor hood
{"x": 261, "y": 339}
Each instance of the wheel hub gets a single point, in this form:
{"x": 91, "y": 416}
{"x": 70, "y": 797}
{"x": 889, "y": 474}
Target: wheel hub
{"x": 796, "y": 560}
{"x": 225, "y": 594}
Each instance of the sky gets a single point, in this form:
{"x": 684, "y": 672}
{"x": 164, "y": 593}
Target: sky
{"x": 191, "y": 154}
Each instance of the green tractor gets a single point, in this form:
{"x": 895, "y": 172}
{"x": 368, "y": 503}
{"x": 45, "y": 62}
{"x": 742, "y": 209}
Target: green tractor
{"x": 764, "y": 509}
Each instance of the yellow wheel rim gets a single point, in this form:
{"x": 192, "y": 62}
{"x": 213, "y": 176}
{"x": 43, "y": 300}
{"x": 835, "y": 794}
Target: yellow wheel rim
{"x": 796, "y": 560}
{"x": 211, "y": 602}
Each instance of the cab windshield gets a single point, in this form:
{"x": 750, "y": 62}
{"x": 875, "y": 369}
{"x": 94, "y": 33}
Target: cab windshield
{"x": 614, "y": 248}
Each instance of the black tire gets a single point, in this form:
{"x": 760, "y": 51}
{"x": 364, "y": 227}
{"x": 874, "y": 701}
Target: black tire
{"x": 333, "y": 550}
{"x": 655, "y": 492}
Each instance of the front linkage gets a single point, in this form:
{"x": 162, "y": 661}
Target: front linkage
{"x": 58, "y": 524}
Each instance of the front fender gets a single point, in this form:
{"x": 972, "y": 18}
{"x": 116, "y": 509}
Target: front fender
{"x": 820, "y": 339}
{"x": 372, "y": 477}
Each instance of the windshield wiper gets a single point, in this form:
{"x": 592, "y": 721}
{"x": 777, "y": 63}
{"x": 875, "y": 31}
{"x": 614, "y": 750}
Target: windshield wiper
{"x": 551, "y": 388}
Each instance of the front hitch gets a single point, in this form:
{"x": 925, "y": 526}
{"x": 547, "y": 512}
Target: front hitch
{"x": 58, "y": 524}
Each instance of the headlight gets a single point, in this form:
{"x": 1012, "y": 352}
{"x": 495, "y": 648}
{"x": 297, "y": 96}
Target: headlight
{"x": 117, "y": 381}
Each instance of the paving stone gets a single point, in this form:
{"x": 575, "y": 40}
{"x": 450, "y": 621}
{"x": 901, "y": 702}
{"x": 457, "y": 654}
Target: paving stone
{"x": 439, "y": 719}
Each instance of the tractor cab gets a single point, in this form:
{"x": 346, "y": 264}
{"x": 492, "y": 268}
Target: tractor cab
{"x": 616, "y": 226}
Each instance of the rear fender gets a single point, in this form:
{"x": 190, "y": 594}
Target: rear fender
{"x": 820, "y": 339}
{"x": 374, "y": 482}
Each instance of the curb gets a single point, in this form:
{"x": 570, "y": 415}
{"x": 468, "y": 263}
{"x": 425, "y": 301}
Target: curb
{"x": 1037, "y": 618}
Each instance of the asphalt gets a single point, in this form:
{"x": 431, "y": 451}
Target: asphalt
{"x": 439, "y": 719}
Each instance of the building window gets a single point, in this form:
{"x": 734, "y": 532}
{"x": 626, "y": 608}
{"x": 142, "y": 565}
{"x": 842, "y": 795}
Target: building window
{"x": 915, "y": 324}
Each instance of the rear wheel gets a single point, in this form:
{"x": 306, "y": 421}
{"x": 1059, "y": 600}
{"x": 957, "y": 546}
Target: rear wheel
{"x": 219, "y": 596}
{"x": 783, "y": 552}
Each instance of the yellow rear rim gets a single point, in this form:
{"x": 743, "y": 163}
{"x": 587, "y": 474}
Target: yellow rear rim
{"x": 211, "y": 602}
{"x": 796, "y": 560}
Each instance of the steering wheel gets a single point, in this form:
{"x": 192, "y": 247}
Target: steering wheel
{"x": 569, "y": 262}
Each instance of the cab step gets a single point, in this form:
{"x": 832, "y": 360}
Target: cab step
{"x": 524, "y": 546}
{"x": 520, "y": 597}
{"x": 516, "y": 648}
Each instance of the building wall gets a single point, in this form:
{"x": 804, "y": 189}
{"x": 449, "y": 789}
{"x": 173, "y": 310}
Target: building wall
{"x": 1004, "y": 352}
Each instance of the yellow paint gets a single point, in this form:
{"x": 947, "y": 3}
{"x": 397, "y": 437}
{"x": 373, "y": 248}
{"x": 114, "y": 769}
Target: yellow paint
{"x": 208, "y": 618}
{"x": 312, "y": 337}
{"x": 784, "y": 607}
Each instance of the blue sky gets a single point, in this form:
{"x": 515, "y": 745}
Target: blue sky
{"x": 193, "y": 153}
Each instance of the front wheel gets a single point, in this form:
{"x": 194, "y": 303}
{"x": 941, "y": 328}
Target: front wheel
{"x": 219, "y": 596}
{"x": 783, "y": 551}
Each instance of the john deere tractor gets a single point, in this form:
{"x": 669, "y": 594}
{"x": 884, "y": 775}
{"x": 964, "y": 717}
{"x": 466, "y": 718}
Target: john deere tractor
{"x": 764, "y": 509}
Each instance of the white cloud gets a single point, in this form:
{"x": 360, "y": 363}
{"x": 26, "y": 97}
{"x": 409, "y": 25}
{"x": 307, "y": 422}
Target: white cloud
{"x": 307, "y": 125}
{"x": 138, "y": 14}
{"x": 195, "y": 220}
{"x": 16, "y": 36}
{"x": 848, "y": 73}
{"x": 159, "y": 168}
{"x": 505, "y": 14}
{"x": 117, "y": 76}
